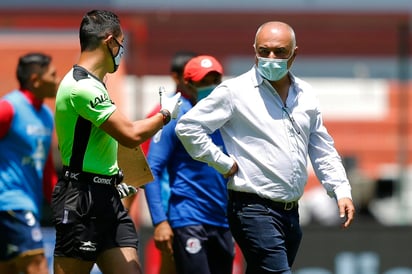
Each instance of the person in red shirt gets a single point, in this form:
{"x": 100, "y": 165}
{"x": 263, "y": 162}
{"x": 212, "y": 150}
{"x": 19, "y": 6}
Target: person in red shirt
{"x": 177, "y": 65}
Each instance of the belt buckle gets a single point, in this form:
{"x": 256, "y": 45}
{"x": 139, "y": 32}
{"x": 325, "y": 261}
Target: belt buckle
{"x": 288, "y": 206}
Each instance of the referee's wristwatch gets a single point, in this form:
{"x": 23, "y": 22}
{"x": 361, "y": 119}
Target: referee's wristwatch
{"x": 166, "y": 116}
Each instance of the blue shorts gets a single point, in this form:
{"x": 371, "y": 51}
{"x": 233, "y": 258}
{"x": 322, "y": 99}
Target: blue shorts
{"x": 20, "y": 234}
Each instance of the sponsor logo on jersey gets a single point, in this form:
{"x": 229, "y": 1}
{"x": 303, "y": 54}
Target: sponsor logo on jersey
{"x": 100, "y": 99}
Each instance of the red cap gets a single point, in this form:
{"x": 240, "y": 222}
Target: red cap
{"x": 197, "y": 67}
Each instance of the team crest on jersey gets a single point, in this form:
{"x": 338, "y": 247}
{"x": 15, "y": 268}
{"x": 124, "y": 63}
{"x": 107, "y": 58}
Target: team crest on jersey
{"x": 193, "y": 245}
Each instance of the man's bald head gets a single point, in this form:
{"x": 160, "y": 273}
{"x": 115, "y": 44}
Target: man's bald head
{"x": 275, "y": 31}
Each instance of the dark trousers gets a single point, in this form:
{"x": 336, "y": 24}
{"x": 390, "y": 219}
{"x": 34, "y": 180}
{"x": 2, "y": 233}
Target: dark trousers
{"x": 203, "y": 249}
{"x": 268, "y": 234}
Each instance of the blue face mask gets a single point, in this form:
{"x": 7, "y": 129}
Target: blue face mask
{"x": 272, "y": 69}
{"x": 203, "y": 92}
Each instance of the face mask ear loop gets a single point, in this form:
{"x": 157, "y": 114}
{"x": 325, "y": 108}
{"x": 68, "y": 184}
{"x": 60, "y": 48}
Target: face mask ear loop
{"x": 111, "y": 54}
{"x": 116, "y": 58}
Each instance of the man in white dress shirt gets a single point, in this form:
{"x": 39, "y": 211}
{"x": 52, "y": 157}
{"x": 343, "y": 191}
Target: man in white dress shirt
{"x": 271, "y": 125}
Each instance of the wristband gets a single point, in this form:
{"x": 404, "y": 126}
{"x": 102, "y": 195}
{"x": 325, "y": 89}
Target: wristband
{"x": 166, "y": 116}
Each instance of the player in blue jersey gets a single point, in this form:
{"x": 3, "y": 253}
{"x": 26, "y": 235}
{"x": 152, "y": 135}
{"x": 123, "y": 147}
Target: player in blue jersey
{"x": 27, "y": 173}
{"x": 195, "y": 228}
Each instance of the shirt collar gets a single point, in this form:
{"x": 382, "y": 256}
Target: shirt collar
{"x": 37, "y": 103}
{"x": 257, "y": 79}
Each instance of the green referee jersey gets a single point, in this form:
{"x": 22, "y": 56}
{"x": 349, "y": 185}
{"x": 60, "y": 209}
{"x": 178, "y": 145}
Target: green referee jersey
{"x": 82, "y": 105}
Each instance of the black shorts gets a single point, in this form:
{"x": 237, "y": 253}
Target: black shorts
{"x": 89, "y": 219}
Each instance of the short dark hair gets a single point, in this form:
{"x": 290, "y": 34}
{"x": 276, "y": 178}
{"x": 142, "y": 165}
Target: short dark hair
{"x": 29, "y": 64}
{"x": 179, "y": 61}
{"x": 97, "y": 25}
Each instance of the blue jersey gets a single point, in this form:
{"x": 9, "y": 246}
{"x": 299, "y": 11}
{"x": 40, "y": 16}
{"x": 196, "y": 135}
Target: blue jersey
{"x": 23, "y": 156}
{"x": 198, "y": 192}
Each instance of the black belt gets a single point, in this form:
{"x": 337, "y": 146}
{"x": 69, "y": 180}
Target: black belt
{"x": 246, "y": 197}
{"x": 88, "y": 177}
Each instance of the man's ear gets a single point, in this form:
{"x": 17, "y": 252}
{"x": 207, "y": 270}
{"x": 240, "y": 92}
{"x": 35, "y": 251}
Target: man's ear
{"x": 35, "y": 80}
{"x": 292, "y": 58}
{"x": 295, "y": 52}
{"x": 108, "y": 39}
{"x": 175, "y": 77}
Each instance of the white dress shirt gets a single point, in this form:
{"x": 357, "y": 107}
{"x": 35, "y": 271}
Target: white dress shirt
{"x": 269, "y": 140}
